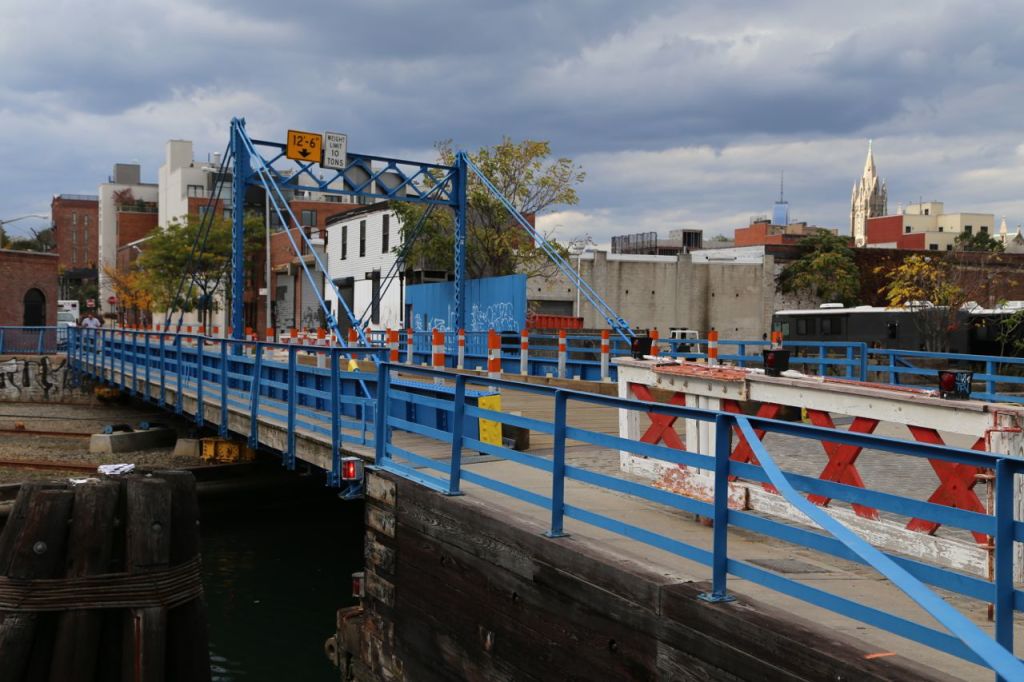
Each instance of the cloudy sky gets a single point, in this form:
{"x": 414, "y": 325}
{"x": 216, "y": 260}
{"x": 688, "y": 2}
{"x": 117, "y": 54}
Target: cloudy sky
{"x": 683, "y": 114}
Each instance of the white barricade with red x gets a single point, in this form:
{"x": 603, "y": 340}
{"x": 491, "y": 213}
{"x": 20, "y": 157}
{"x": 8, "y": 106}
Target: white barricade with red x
{"x": 923, "y": 417}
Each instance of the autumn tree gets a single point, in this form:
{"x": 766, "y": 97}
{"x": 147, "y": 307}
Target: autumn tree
{"x": 168, "y": 253}
{"x": 936, "y": 289}
{"x": 130, "y": 287}
{"x": 826, "y": 270}
{"x": 495, "y": 244}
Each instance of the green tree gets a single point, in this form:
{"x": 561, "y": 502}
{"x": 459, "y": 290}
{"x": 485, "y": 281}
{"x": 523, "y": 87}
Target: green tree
{"x": 826, "y": 270}
{"x": 495, "y": 244}
{"x": 166, "y": 254}
{"x": 979, "y": 241}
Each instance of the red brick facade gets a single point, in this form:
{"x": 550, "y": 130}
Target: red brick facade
{"x": 76, "y": 230}
{"x": 889, "y": 230}
{"x": 24, "y": 271}
{"x": 132, "y": 226}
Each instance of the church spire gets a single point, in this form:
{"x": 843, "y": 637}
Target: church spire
{"x": 869, "y": 199}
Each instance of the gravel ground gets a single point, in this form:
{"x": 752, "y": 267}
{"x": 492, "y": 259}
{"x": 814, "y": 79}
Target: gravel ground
{"x": 84, "y": 420}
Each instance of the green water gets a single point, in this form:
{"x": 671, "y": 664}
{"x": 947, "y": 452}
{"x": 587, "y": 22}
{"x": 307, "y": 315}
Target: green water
{"x": 277, "y": 565}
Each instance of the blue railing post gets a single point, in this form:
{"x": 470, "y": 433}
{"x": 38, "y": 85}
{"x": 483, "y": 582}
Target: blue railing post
{"x": 990, "y": 384}
{"x": 381, "y": 433}
{"x": 863, "y": 361}
{"x": 254, "y": 398}
{"x": 742, "y": 361}
{"x": 148, "y": 394}
{"x": 822, "y": 367}
{"x": 1, "y": 341}
{"x": 558, "y": 468}
{"x": 720, "y": 539}
{"x": 849, "y": 362}
{"x": 458, "y": 417}
{"x": 40, "y": 344}
{"x": 893, "y": 379}
{"x": 179, "y": 367}
{"x": 289, "y": 455}
{"x": 200, "y": 408}
{"x": 1004, "y": 541}
{"x": 334, "y": 478}
{"x": 163, "y": 371}
{"x": 120, "y": 378}
{"x": 223, "y": 389}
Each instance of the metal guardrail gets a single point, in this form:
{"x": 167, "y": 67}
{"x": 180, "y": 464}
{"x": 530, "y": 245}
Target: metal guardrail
{"x": 32, "y": 340}
{"x": 913, "y": 577}
{"x": 303, "y": 387}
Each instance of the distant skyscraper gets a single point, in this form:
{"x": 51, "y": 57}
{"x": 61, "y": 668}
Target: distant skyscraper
{"x": 780, "y": 212}
{"x": 869, "y": 199}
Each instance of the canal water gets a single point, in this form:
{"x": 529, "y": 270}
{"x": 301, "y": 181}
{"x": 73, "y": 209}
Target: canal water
{"x": 277, "y": 564}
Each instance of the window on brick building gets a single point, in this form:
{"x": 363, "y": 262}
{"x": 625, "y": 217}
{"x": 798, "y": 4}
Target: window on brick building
{"x": 204, "y": 210}
{"x": 362, "y": 238}
{"x": 933, "y": 247}
{"x": 194, "y": 190}
{"x": 907, "y": 229}
{"x": 949, "y": 247}
{"x": 308, "y": 217}
{"x": 984, "y": 229}
{"x": 968, "y": 229}
{"x": 375, "y": 297}
{"x": 74, "y": 246}
{"x": 344, "y": 242}
{"x": 385, "y": 233}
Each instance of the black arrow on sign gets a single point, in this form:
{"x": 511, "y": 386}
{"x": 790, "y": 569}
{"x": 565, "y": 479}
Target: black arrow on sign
{"x": 303, "y": 153}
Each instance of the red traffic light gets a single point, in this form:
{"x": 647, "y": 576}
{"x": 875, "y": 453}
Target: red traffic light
{"x": 351, "y": 469}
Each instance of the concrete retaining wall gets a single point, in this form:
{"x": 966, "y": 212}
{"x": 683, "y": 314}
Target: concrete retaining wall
{"x": 42, "y": 379}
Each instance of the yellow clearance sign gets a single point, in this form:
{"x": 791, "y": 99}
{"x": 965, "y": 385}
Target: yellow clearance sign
{"x": 304, "y": 146}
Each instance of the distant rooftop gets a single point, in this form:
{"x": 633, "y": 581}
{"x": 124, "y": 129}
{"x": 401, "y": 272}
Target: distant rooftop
{"x": 78, "y": 197}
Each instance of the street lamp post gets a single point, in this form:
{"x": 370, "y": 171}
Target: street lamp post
{"x": 3, "y": 232}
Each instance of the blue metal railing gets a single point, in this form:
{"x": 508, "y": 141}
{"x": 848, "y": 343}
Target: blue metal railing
{"x": 912, "y": 577}
{"x": 32, "y": 340}
{"x": 307, "y": 387}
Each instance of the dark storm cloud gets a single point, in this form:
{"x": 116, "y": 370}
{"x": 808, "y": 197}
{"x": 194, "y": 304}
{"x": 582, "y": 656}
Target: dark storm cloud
{"x": 684, "y": 112}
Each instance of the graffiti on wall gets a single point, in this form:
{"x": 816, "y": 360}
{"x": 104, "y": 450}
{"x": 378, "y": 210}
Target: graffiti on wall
{"x": 492, "y": 303}
{"x": 37, "y": 378}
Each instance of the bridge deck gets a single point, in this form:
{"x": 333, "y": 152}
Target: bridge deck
{"x": 853, "y": 581}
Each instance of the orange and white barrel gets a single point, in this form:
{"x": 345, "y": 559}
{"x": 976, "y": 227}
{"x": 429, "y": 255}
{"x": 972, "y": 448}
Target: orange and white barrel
{"x": 524, "y": 352}
{"x": 437, "y": 349}
{"x": 268, "y": 334}
{"x": 563, "y": 353}
{"x": 410, "y": 337}
{"x": 353, "y": 336}
{"x": 293, "y": 335}
{"x": 392, "y": 335}
{"x": 460, "y": 360}
{"x": 776, "y": 340}
{"x": 654, "y": 342}
{"x": 712, "y": 347}
{"x": 606, "y": 352}
{"x": 493, "y": 354}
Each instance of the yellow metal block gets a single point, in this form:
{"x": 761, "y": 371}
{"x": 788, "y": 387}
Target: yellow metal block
{"x": 225, "y": 451}
{"x": 490, "y": 431}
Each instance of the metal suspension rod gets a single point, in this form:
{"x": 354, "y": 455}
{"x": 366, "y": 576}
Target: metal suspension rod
{"x": 199, "y": 244}
{"x": 616, "y": 322}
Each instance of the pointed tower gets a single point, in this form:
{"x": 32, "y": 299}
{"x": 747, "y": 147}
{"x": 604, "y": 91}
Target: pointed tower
{"x": 869, "y": 199}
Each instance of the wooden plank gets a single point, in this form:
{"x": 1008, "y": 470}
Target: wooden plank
{"x": 90, "y": 548}
{"x": 147, "y": 548}
{"x": 38, "y": 552}
{"x": 188, "y": 653}
{"x": 768, "y": 634}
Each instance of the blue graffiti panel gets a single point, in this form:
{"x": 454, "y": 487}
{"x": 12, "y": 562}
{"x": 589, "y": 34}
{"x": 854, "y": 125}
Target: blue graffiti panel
{"x": 491, "y": 303}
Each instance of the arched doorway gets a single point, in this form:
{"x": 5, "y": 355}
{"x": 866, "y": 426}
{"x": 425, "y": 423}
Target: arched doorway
{"x": 35, "y": 309}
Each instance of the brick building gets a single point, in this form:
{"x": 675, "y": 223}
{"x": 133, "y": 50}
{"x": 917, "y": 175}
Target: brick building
{"x": 763, "y": 232}
{"x": 75, "y": 220}
{"x": 28, "y": 289}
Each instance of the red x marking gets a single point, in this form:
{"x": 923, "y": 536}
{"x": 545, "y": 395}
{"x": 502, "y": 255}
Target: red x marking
{"x": 743, "y": 452}
{"x": 661, "y": 429}
{"x": 956, "y": 487}
{"x": 842, "y": 459}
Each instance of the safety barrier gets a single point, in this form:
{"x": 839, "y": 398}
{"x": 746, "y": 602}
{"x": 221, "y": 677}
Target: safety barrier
{"x": 32, "y": 340}
{"x": 268, "y": 381}
{"x": 958, "y": 635}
